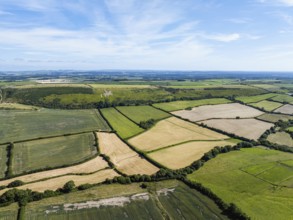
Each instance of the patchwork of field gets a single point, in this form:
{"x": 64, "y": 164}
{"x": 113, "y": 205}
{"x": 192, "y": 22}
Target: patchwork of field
{"x": 52, "y": 152}
{"x": 248, "y": 128}
{"x": 172, "y": 131}
{"x": 247, "y": 178}
{"x": 3, "y": 160}
{"x": 18, "y": 125}
{"x": 283, "y": 98}
{"x": 87, "y": 167}
{"x": 124, "y": 127}
{"x": 267, "y": 105}
{"x": 281, "y": 138}
{"x": 232, "y": 110}
{"x": 255, "y": 98}
{"x": 183, "y": 155}
{"x": 142, "y": 113}
{"x": 275, "y": 117}
{"x": 124, "y": 158}
{"x": 172, "y": 198}
{"x": 9, "y": 212}
{"x": 178, "y": 105}
{"x": 286, "y": 109}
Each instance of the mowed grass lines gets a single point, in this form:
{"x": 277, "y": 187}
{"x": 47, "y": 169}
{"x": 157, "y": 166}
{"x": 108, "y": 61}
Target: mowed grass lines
{"x": 23, "y": 125}
{"x": 225, "y": 175}
{"x": 183, "y": 155}
{"x": 3, "y": 160}
{"x": 178, "y": 105}
{"x": 256, "y": 98}
{"x": 52, "y": 152}
{"x": 142, "y": 113}
{"x": 172, "y": 131}
{"x": 281, "y": 138}
{"x": 125, "y": 159}
{"x": 267, "y": 105}
{"x": 124, "y": 127}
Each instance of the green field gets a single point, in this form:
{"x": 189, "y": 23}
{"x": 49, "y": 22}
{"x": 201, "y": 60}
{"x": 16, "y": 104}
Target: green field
{"x": 142, "y": 113}
{"x": 180, "y": 202}
{"x": 256, "y": 98}
{"x": 290, "y": 129}
{"x": 267, "y": 105}
{"x": 177, "y": 105}
{"x": 9, "y": 212}
{"x": 247, "y": 178}
{"x": 3, "y": 160}
{"x": 283, "y": 99}
{"x": 23, "y": 125}
{"x": 281, "y": 138}
{"x": 52, "y": 152}
{"x": 274, "y": 117}
{"x": 124, "y": 127}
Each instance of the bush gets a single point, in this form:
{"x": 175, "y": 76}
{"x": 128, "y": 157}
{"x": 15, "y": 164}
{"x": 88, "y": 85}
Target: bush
{"x": 15, "y": 183}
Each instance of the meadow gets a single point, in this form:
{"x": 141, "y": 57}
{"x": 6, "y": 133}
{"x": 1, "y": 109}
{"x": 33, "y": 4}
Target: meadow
{"x": 274, "y": 117}
{"x": 256, "y": 98}
{"x": 124, "y": 127}
{"x": 9, "y": 212}
{"x": 3, "y": 160}
{"x": 281, "y": 138}
{"x": 283, "y": 98}
{"x": 267, "y": 105}
{"x": 227, "y": 176}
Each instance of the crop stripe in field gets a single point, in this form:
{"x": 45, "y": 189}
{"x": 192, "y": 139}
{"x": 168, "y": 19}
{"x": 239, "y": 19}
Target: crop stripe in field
{"x": 128, "y": 117}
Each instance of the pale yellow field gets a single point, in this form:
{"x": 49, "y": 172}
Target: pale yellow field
{"x": 248, "y": 128}
{"x": 88, "y": 167}
{"x": 124, "y": 158}
{"x": 58, "y": 182}
{"x": 231, "y": 110}
{"x": 172, "y": 131}
{"x": 17, "y": 106}
{"x": 285, "y": 109}
{"x": 183, "y": 155}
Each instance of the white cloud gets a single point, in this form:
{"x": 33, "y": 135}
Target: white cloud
{"x": 223, "y": 37}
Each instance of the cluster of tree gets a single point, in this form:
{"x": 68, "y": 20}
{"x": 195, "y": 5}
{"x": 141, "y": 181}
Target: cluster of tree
{"x": 147, "y": 124}
{"x": 9, "y": 151}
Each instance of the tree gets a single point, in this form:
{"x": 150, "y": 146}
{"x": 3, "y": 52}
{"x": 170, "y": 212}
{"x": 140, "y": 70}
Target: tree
{"x": 68, "y": 187}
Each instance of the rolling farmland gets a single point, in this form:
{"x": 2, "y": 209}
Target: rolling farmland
{"x": 256, "y": 98}
{"x": 283, "y": 98}
{"x": 274, "y": 117}
{"x": 286, "y": 109}
{"x": 281, "y": 138}
{"x": 267, "y": 105}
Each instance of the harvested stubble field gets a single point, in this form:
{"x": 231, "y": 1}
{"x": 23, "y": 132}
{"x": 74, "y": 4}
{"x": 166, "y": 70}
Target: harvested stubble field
{"x": 177, "y": 105}
{"x": 281, "y": 138}
{"x": 18, "y": 125}
{"x": 255, "y": 98}
{"x": 124, "y": 127}
{"x": 52, "y": 152}
{"x": 3, "y": 160}
{"x": 275, "y": 117}
{"x": 228, "y": 177}
{"x": 248, "y": 128}
{"x": 87, "y": 167}
{"x": 124, "y": 158}
{"x": 172, "y": 131}
{"x": 183, "y": 155}
{"x": 286, "y": 109}
{"x": 232, "y": 110}
{"x": 267, "y": 105}
{"x": 142, "y": 113}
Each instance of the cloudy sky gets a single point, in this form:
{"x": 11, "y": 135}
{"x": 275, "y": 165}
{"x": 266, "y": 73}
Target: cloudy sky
{"x": 146, "y": 34}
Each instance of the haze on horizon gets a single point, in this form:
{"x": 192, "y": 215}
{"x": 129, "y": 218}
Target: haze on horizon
{"x": 154, "y": 34}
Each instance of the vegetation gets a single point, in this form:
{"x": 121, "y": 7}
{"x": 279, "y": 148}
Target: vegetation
{"x": 274, "y": 117}
{"x": 267, "y": 105}
{"x": 281, "y": 138}
{"x": 3, "y": 160}
{"x": 256, "y": 98}
{"x": 124, "y": 127}
{"x": 283, "y": 99}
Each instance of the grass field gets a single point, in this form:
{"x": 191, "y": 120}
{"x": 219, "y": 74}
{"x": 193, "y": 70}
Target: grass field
{"x": 283, "y": 98}
{"x": 248, "y": 128}
{"x": 274, "y": 117}
{"x": 256, "y": 98}
{"x": 17, "y": 106}
{"x": 87, "y": 167}
{"x": 9, "y": 212}
{"x": 267, "y": 105}
{"x": 3, "y": 160}
{"x": 52, "y": 152}
{"x": 125, "y": 159}
{"x": 290, "y": 129}
{"x": 124, "y": 127}
{"x": 172, "y": 131}
{"x": 232, "y": 110}
{"x": 178, "y": 105}
{"x": 281, "y": 138}
{"x": 286, "y": 109}
{"x": 226, "y": 176}
{"x": 128, "y": 202}
{"x": 142, "y": 113}
{"x": 183, "y": 155}
{"x": 23, "y": 125}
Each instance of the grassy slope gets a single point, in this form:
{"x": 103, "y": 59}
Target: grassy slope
{"x": 177, "y": 105}
{"x": 258, "y": 198}
{"x": 281, "y": 138}
{"x": 22, "y": 125}
{"x": 3, "y": 160}
{"x": 274, "y": 117}
{"x": 142, "y": 113}
{"x": 267, "y": 105}
{"x": 124, "y": 127}
{"x": 9, "y": 212}
{"x": 283, "y": 98}
{"x": 256, "y": 98}
{"x": 52, "y": 152}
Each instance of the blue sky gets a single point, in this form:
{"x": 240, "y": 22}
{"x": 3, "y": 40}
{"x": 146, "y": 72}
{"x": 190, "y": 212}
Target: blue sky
{"x": 146, "y": 34}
